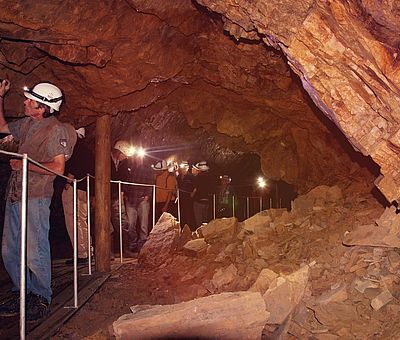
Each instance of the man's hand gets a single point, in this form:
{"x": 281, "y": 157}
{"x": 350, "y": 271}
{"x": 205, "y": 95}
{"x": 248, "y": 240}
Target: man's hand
{"x": 56, "y": 165}
{"x": 69, "y": 182}
{"x": 4, "y": 87}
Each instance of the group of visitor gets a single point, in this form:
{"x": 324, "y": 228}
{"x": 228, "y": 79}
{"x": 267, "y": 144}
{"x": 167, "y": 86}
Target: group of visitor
{"x": 51, "y": 143}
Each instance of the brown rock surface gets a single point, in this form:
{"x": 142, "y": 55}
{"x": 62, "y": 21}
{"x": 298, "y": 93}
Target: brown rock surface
{"x": 168, "y": 74}
{"x": 284, "y": 294}
{"x": 162, "y": 240}
{"x": 347, "y": 58}
{"x": 195, "y": 247}
{"x": 384, "y": 233}
{"x": 219, "y": 230}
{"x": 263, "y": 281}
{"x": 239, "y": 315}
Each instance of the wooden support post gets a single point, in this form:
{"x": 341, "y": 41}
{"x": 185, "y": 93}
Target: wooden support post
{"x": 103, "y": 203}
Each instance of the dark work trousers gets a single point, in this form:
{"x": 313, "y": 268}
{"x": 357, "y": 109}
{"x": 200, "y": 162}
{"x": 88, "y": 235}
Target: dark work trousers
{"x": 201, "y": 209}
{"x": 187, "y": 212}
{"x": 172, "y": 209}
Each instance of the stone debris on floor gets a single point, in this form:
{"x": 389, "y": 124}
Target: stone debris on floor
{"x": 312, "y": 284}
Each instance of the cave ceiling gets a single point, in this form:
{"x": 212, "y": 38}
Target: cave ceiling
{"x": 289, "y": 81}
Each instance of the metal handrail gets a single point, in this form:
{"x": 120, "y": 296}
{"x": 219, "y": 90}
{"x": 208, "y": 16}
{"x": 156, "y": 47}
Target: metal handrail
{"x": 24, "y": 199}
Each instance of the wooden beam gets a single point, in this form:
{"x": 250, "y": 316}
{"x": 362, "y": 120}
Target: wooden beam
{"x": 103, "y": 205}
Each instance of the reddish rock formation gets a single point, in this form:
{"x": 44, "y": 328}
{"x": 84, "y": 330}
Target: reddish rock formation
{"x": 346, "y": 55}
{"x": 168, "y": 73}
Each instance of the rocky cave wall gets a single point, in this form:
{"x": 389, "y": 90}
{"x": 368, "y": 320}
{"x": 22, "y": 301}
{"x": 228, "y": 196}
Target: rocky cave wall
{"x": 169, "y": 74}
{"x": 346, "y": 54}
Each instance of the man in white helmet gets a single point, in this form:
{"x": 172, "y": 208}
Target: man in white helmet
{"x": 47, "y": 141}
{"x": 202, "y": 192}
{"x": 137, "y": 201}
{"x": 225, "y": 193}
{"x": 78, "y": 166}
{"x": 119, "y": 172}
{"x": 166, "y": 186}
{"x": 185, "y": 181}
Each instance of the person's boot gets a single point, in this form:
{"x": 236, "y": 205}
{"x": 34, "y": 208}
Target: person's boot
{"x": 81, "y": 261}
{"x": 37, "y": 309}
{"x": 10, "y": 307}
{"x": 112, "y": 254}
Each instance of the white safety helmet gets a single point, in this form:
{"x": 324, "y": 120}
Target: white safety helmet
{"x": 160, "y": 165}
{"x": 123, "y": 146}
{"x": 201, "y": 166}
{"x": 47, "y": 94}
{"x": 172, "y": 167}
{"x": 184, "y": 165}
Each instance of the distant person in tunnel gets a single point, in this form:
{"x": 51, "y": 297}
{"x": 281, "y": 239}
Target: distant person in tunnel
{"x": 46, "y": 140}
{"x": 137, "y": 201}
{"x": 202, "y": 192}
{"x": 119, "y": 172}
{"x": 225, "y": 194}
{"x": 185, "y": 181}
{"x": 80, "y": 164}
{"x": 166, "y": 187}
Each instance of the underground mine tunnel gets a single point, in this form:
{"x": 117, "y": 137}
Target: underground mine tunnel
{"x": 304, "y": 94}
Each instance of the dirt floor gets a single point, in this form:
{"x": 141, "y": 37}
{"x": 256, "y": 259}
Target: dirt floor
{"x": 128, "y": 286}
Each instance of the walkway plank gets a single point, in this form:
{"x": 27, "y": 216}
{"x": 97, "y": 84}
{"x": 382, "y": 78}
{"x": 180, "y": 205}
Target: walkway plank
{"x": 62, "y": 302}
{"x": 62, "y": 309}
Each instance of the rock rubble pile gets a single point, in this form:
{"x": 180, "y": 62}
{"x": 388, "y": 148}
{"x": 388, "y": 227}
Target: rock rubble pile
{"x": 313, "y": 281}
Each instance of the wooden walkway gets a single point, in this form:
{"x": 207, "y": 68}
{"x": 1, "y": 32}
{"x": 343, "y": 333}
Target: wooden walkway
{"x": 62, "y": 300}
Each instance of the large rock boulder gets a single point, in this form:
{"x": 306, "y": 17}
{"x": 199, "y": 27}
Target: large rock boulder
{"x": 222, "y": 229}
{"x": 261, "y": 220}
{"x": 284, "y": 294}
{"x": 239, "y": 315}
{"x": 162, "y": 241}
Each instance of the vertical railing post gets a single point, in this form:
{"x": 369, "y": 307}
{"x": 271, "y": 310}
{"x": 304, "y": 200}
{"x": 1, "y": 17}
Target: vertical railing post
{"x": 24, "y": 209}
{"x": 154, "y": 205}
{"x": 120, "y": 220}
{"x": 214, "y": 207}
{"x": 261, "y": 203}
{"x": 178, "y": 206}
{"x": 247, "y": 207}
{"x": 233, "y": 206}
{"x": 270, "y": 203}
{"x": 89, "y": 247}
{"x": 75, "y": 246}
